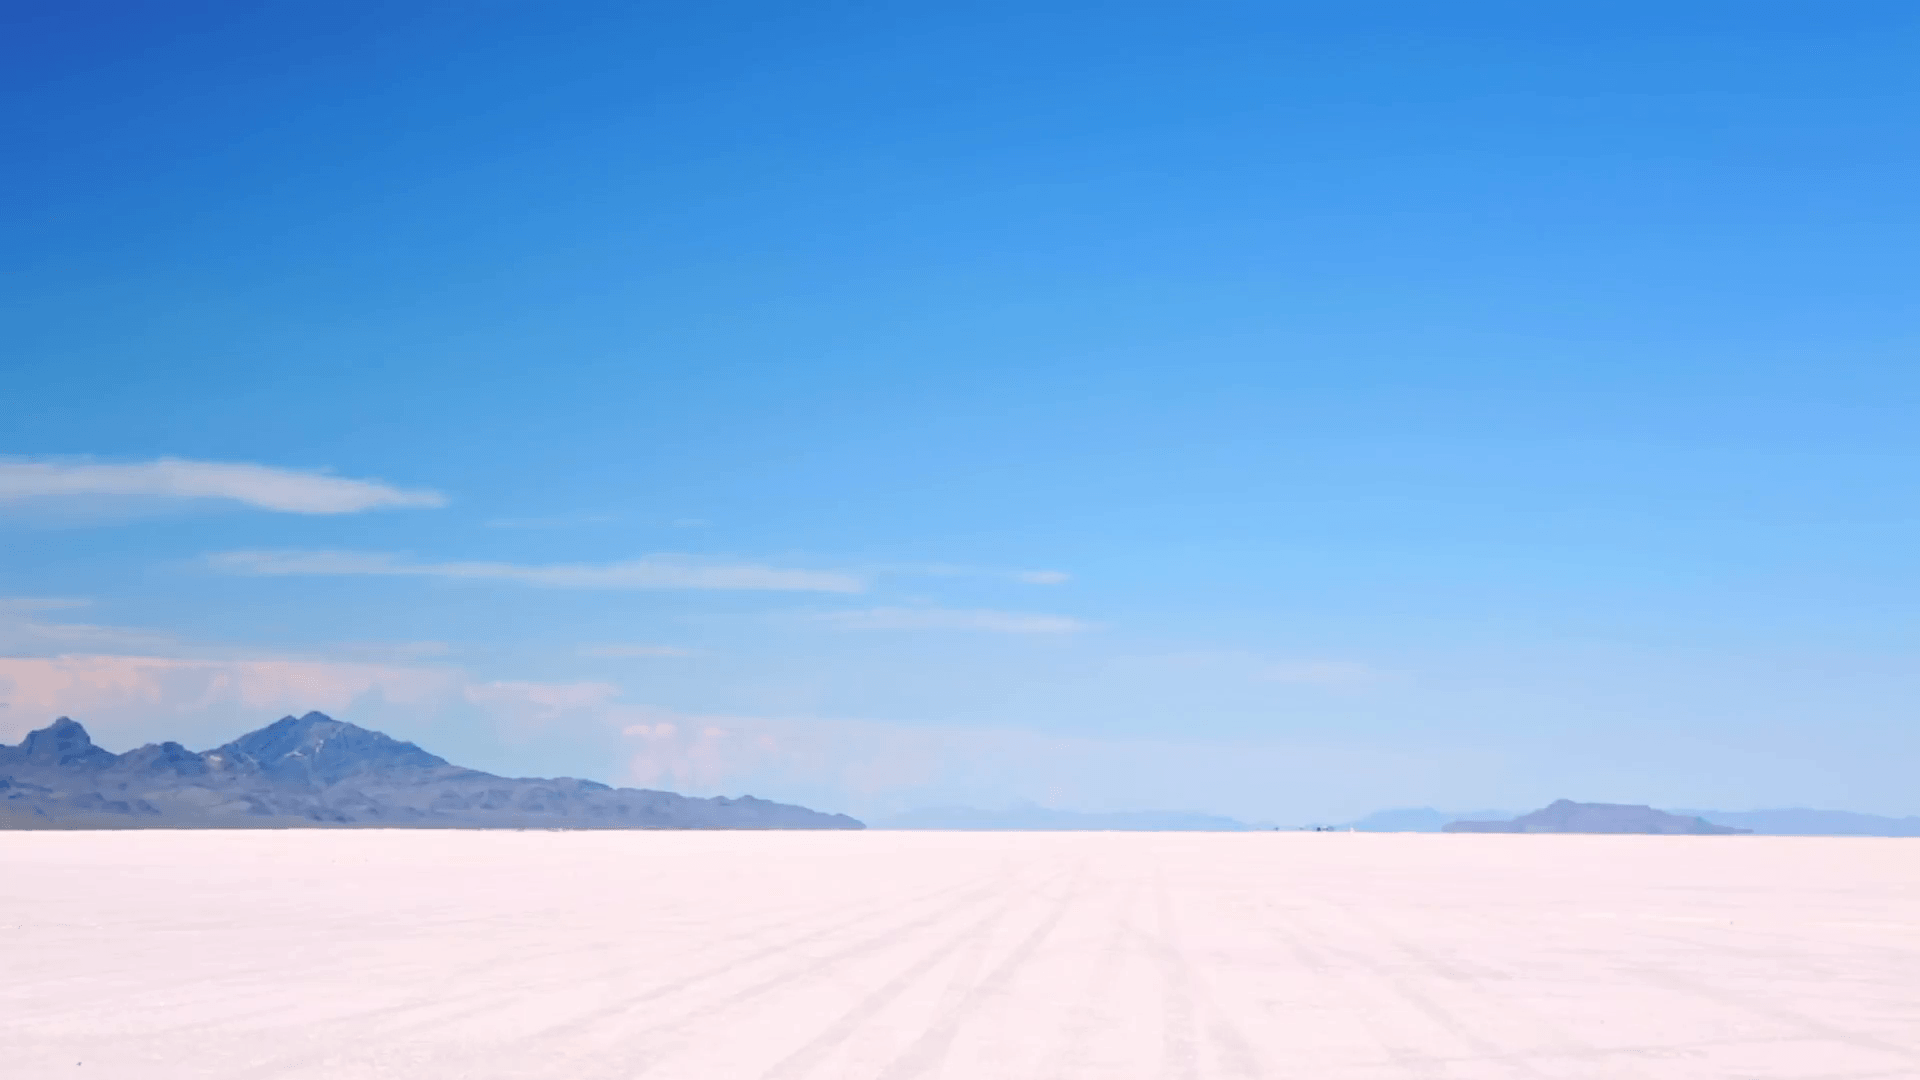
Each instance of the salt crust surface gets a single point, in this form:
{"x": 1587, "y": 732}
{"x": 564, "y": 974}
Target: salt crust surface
{"x": 710, "y": 956}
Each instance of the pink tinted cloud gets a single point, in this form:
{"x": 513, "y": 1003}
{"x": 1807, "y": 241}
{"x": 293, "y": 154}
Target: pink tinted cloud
{"x": 131, "y": 696}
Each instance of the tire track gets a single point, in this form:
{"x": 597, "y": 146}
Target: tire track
{"x": 482, "y": 1001}
{"x": 1468, "y": 977}
{"x": 1807, "y": 1027}
{"x": 810, "y": 968}
{"x": 1176, "y": 971}
{"x": 930, "y": 1049}
{"x": 1317, "y": 963}
{"x": 1444, "y": 1018}
{"x": 817, "y": 1049}
{"x": 1080, "y": 1029}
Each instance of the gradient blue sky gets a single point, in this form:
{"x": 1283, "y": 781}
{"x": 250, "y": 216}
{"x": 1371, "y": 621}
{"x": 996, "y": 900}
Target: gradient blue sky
{"x": 1277, "y": 410}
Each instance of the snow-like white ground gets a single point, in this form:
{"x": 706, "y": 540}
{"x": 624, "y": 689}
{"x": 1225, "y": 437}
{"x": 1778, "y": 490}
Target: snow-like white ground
{"x": 710, "y": 956}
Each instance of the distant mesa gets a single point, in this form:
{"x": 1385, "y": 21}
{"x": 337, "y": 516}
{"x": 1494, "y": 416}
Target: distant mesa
{"x": 317, "y": 772}
{"x": 1567, "y": 816}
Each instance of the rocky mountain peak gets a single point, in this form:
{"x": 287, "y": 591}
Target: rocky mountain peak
{"x": 63, "y": 742}
{"x": 166, "y": 757}
{"x": 321, "y": 750}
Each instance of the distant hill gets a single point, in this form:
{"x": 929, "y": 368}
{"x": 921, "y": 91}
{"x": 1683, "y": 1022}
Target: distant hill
{"x": 1799, "y": 822}
{"x": 1567, "y": 816}
{"x": 1422, "y": 819}
{"x": 315, "y": 771}
{"x": 1030, "y": 818}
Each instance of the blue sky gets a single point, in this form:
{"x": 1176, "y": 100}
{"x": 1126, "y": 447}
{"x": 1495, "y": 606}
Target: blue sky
{"x": 1266, "y": 409}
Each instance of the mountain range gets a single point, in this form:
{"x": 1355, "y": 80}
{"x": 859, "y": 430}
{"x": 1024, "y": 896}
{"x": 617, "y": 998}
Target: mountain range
{"x": 1027, "y": 817}
{"x": 1796, "y": 821}
{"x": 1800, "y": 821}
{"x": 315, "y": 771}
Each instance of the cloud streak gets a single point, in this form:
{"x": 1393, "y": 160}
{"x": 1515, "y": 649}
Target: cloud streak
{"x": 563, "y": 522}
{"x": 956, "y": 570}
{"x": 1316, "y": 672}
{"x": 916, "y": 618}
{"x": 24, "y": 631}
{"x": 647, "y": 572}
{"x": 635, "y": 652}
{"x": 266, "y": 487}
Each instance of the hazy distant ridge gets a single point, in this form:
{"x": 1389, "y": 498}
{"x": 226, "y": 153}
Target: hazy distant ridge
{"x": 1422, "y": 819}
{"x": 1567, "y": 816}
{"x": 315, "y": 771}
{"x": 1030, "y": 818}
{"x": 1790, "y": 822}
{"x": 1803, "y": 822}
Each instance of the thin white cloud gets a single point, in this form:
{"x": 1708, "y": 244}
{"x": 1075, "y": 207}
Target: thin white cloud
{"x": 543, "y": 697}
{"x": 23, "y": 604}
{"x": 647, "y": 572}
{"x": 1260, "y": 668}
{"x": 928, "y": 618}
{"x": 564, "y": 522}
{"x": 290, "y": 491}
{"x": 874, "y": 768}
{"x": 1027, "y": 577}
{"x": 635, "y": 652}
{"x": 1316, "y": 672}
{"x": 390, "y": 652}
{"x": 23, "y": 631}
{"x": 27, "y": 629}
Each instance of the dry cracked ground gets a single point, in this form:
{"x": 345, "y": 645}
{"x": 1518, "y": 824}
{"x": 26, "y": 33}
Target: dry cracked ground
{"x": 710, "y": 956}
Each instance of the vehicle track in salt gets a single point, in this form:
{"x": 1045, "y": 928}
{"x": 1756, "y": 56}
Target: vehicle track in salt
{"x": 1186, "y": 998}
{"x": 447, "y": 1009}
{"x": 927, "y": 1052}
{"x": 660, "y": 1039}
{"x": 1078, "y": 1032}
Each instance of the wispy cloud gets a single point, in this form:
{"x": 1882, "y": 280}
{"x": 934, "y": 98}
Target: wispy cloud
{"x": 291, "y": 491}
{"x": 1241, "y": 664}
{"x": 390, "y": 652}
{"x": 1316, "y": 672}
{"x": 930, "y": 618}
{"x": 33, "y": 627}
{"x": 563, "y": 522}
{"x": 647, "y": 572}
{"x": 875, "y": 767}
{"x": 635, "y": 652}
{"x": 24, "y": 631}
{"x": 23, "y": 604}
{"x": 957, "y": 570}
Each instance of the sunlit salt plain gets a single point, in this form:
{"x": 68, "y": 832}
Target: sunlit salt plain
{"x": 709, "y": 956}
